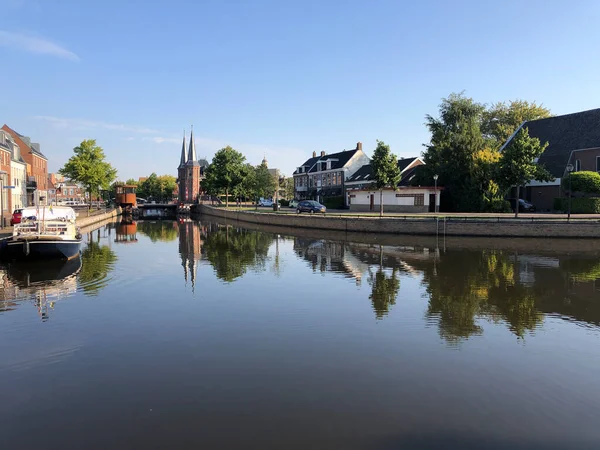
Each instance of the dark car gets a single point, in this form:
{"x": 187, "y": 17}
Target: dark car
{"x": 310, "y": 206}
{"x": 524, "y": 206}
{"x": 16, "y": 216}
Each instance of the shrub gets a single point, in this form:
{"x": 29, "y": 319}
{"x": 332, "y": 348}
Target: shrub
{"x": 579, "y": 205}
{"x": 586, "y": 182}
{"x": 333, "y": 202}
{"x": 498, "y": 205}
{"x": 283, "y": 202}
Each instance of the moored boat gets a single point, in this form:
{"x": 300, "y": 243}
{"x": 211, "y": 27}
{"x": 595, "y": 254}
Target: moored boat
{"x": 44, "y": 232}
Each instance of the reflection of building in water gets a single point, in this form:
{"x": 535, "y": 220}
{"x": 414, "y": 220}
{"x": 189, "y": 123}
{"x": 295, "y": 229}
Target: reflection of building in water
{"x": 190, "y": 247}
{"x": 354, "y": 260}
{"x": 43, "y": 284}
{"x": 126, "y": 232}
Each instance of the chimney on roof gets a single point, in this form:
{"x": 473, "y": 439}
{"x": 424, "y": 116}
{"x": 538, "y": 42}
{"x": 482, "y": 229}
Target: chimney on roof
{"x": 314, "y": 154}
{"x": 322, "y": 153}
{"x": 359, "y": 146}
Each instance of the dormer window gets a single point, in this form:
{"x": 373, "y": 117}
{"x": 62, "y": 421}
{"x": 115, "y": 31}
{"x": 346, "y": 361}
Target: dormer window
{"x": 328, "y": 165}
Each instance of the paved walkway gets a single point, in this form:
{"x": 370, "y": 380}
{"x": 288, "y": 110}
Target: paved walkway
{"x": 504, "y": 216}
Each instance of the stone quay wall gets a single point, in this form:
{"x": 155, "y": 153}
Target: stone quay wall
{"x": 424, "y": 226}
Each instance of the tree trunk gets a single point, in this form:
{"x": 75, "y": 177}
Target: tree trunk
{"x": 380, "y": 202}
{"x": 227, "y": 198}
{"x": 517, "y": 203}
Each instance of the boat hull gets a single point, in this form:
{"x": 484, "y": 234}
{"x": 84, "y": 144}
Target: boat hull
{"x": 41, "y": 249}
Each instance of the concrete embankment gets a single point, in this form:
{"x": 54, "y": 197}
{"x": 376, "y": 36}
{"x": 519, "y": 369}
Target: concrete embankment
{"x": 424, "y": 226}
{"x": 85, "y": 221}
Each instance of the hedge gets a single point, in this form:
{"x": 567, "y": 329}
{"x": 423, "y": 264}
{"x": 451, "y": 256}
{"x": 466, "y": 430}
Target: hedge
{"x": 334, "y": 202}
{"x": 590, "y": 205}
{"x": 586, "y": 182}
{"x": 498, "y": 205}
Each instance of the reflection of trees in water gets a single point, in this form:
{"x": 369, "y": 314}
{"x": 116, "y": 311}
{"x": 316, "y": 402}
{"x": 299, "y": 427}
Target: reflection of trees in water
{"x": 164, "y": 231}
{"x": 97, "y": 262}
{"x": 384, "y": 291}
{"x": 464, "y": 286}
{"x": 233, "y": 251}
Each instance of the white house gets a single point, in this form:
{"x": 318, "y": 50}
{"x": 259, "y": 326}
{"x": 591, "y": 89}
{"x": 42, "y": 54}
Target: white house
{"x": 18, "y": 172}
{"x": 404, "y": 199}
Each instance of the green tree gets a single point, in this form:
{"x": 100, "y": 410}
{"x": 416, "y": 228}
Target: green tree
{"x": 501, "y": 120}
{"x": 384, "y": 291}
{"x": 167, "y": 183}
{"x": 88, "y": 168}
{"x": 209, "y": 183}
{"x": 132, "y": 182}
{"x": 517, "y": 164}
{"x": 289, "y": 188}
{"x": 385, "y": 170}
{"x": 455, "y": 140}
{"x": 264, "y": 183}
{"x": 227, "y": 171}
{"x": 150, "y": 188}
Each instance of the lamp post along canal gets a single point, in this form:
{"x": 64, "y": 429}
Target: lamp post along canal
{"x": 570, "y": 170}
{"x": 435, "y": 178}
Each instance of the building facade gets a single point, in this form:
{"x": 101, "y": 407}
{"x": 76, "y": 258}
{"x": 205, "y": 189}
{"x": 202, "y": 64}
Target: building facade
{"x": 190, "y": 172}
{"x": 572, "y": 139}
{"x": 325, "y": 175}
{"x": 6, "y": 148}
{"x": 37, "y": 166}
{"x": 61, "y": 190}
{"x": 18, "y": 170}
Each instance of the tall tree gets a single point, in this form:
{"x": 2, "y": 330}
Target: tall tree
{"x": 385, "y": 170}
{"x": 167, "y": 183}
{"x": 502, "y": 119}
{"x": 289, "y": 188}
{"x": 264, "y": 183}
{"x": 455, "y": 139}
{"x": 132, "y": 182}
{"x": 517, "y": 164}
{"x": 227, "y": 170}
{"x": 88, "y": 168}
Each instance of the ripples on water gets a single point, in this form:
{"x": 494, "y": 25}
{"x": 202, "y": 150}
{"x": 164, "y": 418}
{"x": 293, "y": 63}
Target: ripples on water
{"x": 183, "y": 334}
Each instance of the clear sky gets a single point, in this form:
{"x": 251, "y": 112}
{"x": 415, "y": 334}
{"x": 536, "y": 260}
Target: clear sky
{"x": 281, "y": 78}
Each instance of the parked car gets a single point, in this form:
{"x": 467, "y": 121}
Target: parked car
{"x": 310, "y": 206}
{"x": 265, "y": 202}
{"x": 293, "y": 203}
{"x": 16, "y": 216}
{"x": 524, "y": 206}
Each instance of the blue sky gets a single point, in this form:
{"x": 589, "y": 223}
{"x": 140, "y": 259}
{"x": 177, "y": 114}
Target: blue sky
{"x": 280, "y": 78}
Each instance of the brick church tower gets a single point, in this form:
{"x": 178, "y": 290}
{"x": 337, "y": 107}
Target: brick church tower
{"x": 188, "y": 172}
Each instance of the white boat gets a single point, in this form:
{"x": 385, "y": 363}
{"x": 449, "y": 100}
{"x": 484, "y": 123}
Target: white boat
{"x": 44, "y": 232}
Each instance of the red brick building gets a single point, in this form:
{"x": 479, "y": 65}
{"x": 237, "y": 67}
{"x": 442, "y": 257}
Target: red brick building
{"x": 190, "y": 172}
{"x": 36, "y": 161}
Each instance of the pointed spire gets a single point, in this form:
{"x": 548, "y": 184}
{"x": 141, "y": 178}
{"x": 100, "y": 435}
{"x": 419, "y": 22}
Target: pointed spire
{"x": 182, "y": 160}
{"x": 192, "y": 152}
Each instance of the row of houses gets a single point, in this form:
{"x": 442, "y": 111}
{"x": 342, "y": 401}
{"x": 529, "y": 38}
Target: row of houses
{"x": 24, "y": 177}
{"x": 573, "y": 143}
{"x": 348, "y": 175}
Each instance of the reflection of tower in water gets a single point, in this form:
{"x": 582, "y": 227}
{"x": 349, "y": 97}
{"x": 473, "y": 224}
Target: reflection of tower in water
{"x": 190, "y": 248}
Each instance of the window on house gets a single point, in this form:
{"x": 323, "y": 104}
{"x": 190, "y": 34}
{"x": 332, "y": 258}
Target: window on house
{"x": 577, "y": 165}
{"x": 419, "y": 199}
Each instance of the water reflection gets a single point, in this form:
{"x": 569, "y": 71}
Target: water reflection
{"x": 465, "y": 288}
{"x": 98, "y": 262}
{"x": 126, "y": 232}
{"x": 163, "y": 231}
{"x": 232, "y": 251}
{"x": 39, "y": 282}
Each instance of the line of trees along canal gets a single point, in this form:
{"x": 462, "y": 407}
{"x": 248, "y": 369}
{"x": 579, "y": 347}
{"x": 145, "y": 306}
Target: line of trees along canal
{"x": 464, "y": 151}
{"x": 230, "y": 174}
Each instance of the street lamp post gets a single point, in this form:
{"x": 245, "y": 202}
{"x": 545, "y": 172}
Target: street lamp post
{"x": 435, "y": 178}
{"x": 570, "y": 170}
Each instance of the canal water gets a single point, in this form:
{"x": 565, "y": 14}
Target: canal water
{"x": 204, "y": 335}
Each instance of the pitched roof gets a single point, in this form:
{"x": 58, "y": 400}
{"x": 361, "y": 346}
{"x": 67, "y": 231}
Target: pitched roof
{"x": 308, "y": 164}
{"x": 33, "y": 147}
{"x": 191, "y": 158}
{"x": 405, "y": 162}
{"x": 362, "y": 174}
{"x": 366, "y": 171}
{"x": 182, "y": 159}
{"x": 338, "y": 160}
{"x": 564, "y": 134}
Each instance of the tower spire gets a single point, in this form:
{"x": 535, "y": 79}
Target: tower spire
{"x": 182, "y": 160}
{"x": 192, "y": 151}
